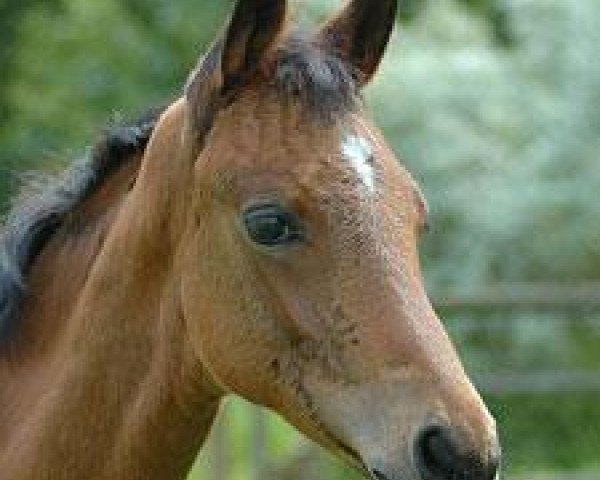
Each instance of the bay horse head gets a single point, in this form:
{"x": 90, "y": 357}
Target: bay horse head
{"x": 260, "y": 239}
{"x": 300, "y": 281}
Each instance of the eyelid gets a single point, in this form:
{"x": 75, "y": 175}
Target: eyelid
{"x": 264, "y": 200}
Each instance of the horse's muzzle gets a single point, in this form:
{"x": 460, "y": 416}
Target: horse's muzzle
{"x": 440, "y": 453}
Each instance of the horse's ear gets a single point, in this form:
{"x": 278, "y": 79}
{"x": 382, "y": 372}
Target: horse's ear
{"x": 359, "y": 34}
{"x": 234, "y": 57}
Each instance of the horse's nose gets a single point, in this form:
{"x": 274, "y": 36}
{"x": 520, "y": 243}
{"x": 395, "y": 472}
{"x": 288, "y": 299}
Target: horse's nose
{"x": 442, "y": 454}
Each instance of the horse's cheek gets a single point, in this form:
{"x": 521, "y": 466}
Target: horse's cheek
{"x": 231, "y": 337}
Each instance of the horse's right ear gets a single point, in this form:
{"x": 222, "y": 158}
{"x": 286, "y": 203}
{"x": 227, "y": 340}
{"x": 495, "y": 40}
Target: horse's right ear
{"x": 359, "y": 34}
{"x": 233, "y": 58}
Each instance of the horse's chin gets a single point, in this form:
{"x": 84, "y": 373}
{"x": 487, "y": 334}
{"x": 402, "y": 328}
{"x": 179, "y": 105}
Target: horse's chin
{"x": 366, "y": 459}
{"x": 370, "y": 470}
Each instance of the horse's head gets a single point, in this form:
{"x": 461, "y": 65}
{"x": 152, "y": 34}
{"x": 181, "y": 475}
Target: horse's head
{"x": 301, "y": 282}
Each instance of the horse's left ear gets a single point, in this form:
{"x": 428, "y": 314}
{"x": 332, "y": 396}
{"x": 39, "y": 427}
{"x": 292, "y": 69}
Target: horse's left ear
{"x": 360, "y": 33}
{"x": 234, "y": 58}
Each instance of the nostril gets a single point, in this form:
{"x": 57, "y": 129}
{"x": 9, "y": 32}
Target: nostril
{"x": 439, "y": 456}
{"x": 436, "y": 455}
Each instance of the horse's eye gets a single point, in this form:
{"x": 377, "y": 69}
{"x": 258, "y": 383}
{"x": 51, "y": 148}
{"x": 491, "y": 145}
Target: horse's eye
{"x": 272, "y": 225}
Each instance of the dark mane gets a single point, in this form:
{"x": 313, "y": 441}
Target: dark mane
{"x": 45, "y": 201}
{"x": 319, "y": 80}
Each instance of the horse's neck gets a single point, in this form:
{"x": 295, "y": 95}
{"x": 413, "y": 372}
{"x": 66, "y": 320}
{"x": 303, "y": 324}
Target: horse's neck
{"x": 125, "y": 405}
{"x": 61, "y": 269}
{"x": 118, "y": 395}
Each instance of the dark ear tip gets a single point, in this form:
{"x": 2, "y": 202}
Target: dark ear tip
{"x": 360, "y": 33}
{"x": 260, "y": 11}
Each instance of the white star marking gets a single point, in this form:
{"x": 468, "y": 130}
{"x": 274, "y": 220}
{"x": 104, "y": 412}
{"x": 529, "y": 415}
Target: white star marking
{"x": 360, "y": 154}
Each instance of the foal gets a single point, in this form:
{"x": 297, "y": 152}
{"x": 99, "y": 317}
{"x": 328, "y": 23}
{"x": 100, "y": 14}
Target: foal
{"x": 258, "y": 238}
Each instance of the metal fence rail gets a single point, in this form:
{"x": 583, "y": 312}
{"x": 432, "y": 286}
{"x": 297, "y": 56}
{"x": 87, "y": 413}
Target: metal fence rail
{"x": 529, "y": 296}
{"x": 538, "y": 383}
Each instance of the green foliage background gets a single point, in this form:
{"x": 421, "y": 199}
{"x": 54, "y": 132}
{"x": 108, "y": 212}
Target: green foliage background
{"x": 493, "y": 105}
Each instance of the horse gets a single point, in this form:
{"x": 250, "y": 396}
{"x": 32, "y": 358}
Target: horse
{"x": 255, "y": 237}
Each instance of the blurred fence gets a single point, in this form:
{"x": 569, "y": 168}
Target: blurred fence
{"x": 511, "y": 298}
{"x": 539, "y": 297}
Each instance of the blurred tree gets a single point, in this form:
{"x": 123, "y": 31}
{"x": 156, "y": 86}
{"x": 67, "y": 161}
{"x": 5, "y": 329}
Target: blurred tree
{"x": 12, "y": 13}
{"x": 71, "y": 66}
{"x": 496, "y": 12}
{"x": 409, "y": 9}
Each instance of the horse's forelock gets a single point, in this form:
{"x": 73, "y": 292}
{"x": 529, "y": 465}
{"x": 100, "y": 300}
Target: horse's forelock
{"x": 323, "y": 84}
